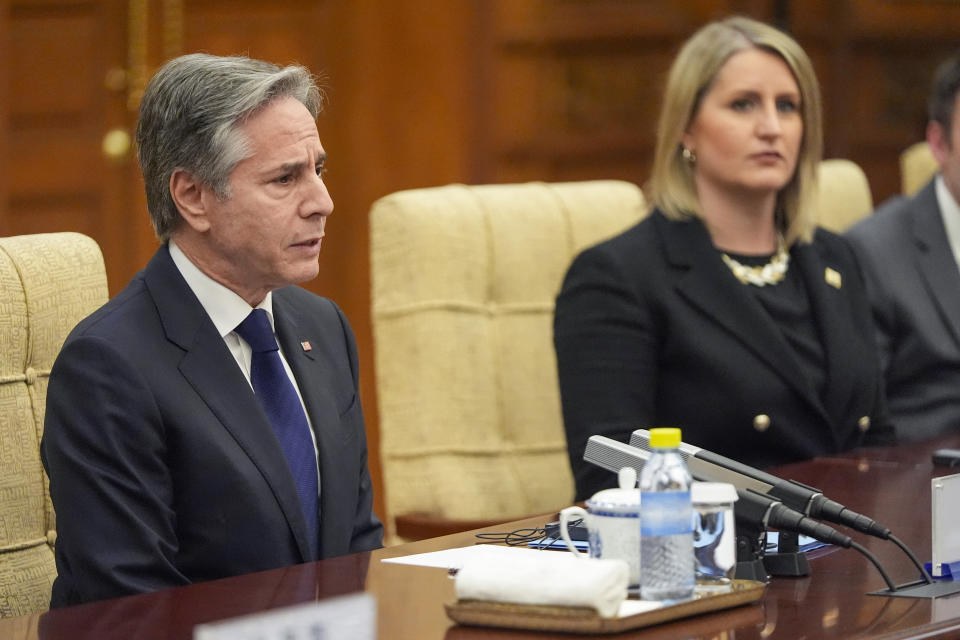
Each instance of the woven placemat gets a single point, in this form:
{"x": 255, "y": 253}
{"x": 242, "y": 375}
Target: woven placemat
{"x": 586, "y": 620}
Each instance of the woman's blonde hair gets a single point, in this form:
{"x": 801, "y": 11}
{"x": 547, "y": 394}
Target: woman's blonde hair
{"x": 671, "y": 186}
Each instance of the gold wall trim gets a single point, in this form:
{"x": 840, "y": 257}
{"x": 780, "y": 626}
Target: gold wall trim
{"x": 137, "y": 40}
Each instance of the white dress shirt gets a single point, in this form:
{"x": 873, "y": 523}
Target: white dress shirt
{"x": 950, "y": 212}
{"x": 227, "y": 310}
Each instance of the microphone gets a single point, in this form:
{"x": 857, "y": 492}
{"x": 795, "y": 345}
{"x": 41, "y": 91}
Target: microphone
{"x": 752, "y": 506}
{"x": 809, "y": 501}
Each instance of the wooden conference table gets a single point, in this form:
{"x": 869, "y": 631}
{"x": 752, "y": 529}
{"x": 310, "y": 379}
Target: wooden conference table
{"x": 892, "y": 485}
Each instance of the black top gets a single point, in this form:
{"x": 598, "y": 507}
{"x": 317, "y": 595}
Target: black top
{"x": 788, "y": 306}
{"x": 652, "y": 329}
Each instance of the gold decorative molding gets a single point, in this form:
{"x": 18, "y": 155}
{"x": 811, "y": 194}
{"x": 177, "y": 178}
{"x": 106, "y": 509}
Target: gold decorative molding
{"x": 137, "y": 40}
{"x": 172, "y": 28}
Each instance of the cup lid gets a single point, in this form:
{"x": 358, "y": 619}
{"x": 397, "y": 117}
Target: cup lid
{"x": 712, "y": 492}
{"x": 614, "y": 498}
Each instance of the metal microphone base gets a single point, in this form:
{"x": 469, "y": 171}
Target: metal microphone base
{"x": 751, "y": 570}
{"x": 754, "y": 564}
{"x": 921, "y": 589}
{"x": 789, "y": 560}
{"x": 792, "y": 564}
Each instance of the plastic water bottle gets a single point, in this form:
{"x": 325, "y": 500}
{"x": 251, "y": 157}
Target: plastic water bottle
{"x": 666, "y": 517}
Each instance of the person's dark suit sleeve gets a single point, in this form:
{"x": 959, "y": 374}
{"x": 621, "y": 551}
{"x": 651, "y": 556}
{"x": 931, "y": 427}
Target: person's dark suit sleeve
{"x": 606, "y": 347}
{"x": 879, "y": 317}
{"x": 105, "y": 450}
{"x": 367, "y": 531}
{"x": 882, "y": 307}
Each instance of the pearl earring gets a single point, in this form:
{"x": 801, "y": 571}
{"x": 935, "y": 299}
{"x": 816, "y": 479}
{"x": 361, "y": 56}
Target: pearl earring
{"x": 689, "y": 156}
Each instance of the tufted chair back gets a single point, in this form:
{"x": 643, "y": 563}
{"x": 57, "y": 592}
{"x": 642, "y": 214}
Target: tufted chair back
{"x": 48, "y": 283}
{"x": 917, "y": 167}
{"x": 844, "y": 194}
{"x": 463, "y": 286}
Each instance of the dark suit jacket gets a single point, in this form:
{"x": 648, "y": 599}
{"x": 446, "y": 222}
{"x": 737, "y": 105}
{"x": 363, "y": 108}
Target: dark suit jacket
{"x": 914, "y": 287}
{"x": 652, "y": 329}
{"x": 163, "y": 467}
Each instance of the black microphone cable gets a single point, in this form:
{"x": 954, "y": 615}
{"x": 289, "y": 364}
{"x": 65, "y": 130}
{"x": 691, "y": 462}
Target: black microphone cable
{"x": 869, "y": 556}
{"x": 820, "y": 506}
{"x": 923, "y": 570}
{"x": 784, "y": 518}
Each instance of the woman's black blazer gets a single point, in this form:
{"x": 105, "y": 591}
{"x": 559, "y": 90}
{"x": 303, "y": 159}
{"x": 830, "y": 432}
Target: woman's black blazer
{"x": 652, "y": 329}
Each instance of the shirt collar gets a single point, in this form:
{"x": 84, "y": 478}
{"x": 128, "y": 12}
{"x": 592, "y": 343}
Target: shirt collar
{"x": 225, "y": 308}
{"x": 950, "y": 214}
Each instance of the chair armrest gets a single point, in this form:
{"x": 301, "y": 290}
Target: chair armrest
{"x": 420, "y": 526}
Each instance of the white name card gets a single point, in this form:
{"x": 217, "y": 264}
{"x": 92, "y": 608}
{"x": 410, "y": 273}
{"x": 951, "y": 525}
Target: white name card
{"x": 353, "y": 616}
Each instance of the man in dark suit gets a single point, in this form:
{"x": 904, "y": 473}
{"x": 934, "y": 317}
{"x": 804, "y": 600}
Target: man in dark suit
{"x": 181, "y": 444}
{"x": 910, "y": 249}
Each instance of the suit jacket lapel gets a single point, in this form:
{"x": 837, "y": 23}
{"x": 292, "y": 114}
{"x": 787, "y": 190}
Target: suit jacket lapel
{"x": 935, "y": 258}
{"x": 212, "y": 371}
{"x": 831, "y": 313}
{"x": 710, "y": 286}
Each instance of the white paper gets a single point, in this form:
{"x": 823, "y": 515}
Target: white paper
{"x": 455, "y": 558}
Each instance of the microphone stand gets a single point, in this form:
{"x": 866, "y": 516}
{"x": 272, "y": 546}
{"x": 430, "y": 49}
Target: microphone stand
{"x": 751, "y": 539}
{"x": 753, "y": 562}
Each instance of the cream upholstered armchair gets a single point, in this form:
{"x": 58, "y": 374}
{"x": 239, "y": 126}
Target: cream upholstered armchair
{"x": 917, "y": 167}
{"x": 844, "y": 195}
{"x": 48, "y": 283}
{"x": 463, "y": 286}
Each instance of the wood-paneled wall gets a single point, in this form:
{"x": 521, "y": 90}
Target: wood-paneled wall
{"x": 420, "y": 93}
{"x": 875, "y": 60}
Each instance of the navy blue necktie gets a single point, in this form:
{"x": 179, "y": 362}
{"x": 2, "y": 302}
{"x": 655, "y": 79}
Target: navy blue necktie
{"x": 282, "y": 404}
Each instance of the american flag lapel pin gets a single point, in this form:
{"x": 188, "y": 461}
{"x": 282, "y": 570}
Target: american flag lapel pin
{"x": 833, "y": 278}
{"x": 305, "y": 344}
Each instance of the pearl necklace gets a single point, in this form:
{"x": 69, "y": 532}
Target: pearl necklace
{"x": 771, "y": 273}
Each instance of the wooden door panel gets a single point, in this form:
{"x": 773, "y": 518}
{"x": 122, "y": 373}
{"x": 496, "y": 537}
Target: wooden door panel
{"x": 52, "y": 80}
{"x": 576, "y": 19}
{"x": 875, "y": 60}
{"x": 59, "y": 109}
{"x": 282, "y": 32}
{"x": 49, "y": 214}
{"x": 575, "y": 84}
{"x": 878, "y": 19}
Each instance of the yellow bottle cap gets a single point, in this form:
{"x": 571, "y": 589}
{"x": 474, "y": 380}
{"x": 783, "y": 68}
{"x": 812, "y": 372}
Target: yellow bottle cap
{"x": 665, "y": 438}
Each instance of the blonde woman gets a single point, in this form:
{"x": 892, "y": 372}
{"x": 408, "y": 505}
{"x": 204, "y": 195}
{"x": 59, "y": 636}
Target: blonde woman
{"x": 725, "y": 312}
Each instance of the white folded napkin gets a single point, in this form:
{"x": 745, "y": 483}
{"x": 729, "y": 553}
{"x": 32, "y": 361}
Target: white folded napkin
{"x": 546, "y": 578}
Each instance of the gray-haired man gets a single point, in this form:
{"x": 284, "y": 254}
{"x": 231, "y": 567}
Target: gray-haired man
{"x": 179, "y": 448}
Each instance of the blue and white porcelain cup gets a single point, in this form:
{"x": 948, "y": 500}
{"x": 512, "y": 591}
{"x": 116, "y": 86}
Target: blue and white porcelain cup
{"x": 612, "y": 518}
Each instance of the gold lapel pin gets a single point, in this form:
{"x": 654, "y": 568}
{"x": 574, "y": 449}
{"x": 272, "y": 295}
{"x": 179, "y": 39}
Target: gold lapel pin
{"x": 833, "y": 278}
{"x": 306, "y": 345}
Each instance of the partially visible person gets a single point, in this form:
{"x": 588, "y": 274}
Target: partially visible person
{"x": 181, "y": 442}
{"x": 910, "y": 249}
{"x": 725, "y": 312}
